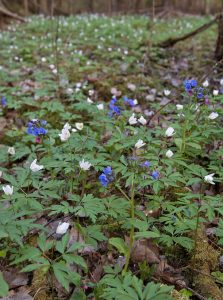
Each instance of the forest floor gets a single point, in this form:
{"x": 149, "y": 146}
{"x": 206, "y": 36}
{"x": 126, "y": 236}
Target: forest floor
{"x": 110, "y": 160}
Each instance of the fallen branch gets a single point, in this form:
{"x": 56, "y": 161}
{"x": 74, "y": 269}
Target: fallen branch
{"x": 170, "y": 42}
{"x": 10, "y": 14}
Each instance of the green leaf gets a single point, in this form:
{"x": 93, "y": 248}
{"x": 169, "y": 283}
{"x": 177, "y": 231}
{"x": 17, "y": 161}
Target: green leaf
{"x": 178, "y": 142}
{"x": 4, "y": 288}
{"x": 147, "y": 234}
{"x": 119, "y": 244}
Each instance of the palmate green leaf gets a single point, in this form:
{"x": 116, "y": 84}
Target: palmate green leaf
{"x": 61, "y": 245}
{"x": 147, "y": 234}
{"x": 75, "y": 259}
{"x": 28, "y": 253}
{"x": 4, "y": 288}
{"x": 119, "y": 244}
{"x": 33, "y": 267}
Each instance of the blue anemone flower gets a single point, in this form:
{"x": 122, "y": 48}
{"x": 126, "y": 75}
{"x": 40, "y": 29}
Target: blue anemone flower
{"x": 155, "y": 175}
{"x": 103, "y": 179}
{"x": 107, "y": 170}
{"x": 3, "y": 101}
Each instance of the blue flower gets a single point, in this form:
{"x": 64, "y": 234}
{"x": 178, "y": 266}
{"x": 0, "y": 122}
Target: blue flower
{"x": 155, "y": 175}
{"x": 34, "y": 128}
{"x": 103, "y": 179}
{"x": 3, "y": 101}
{"x": 146, "y": 164}
{"x": 189, "y": 84}
{"x": 114, "y": 110}
{"x": 106, "y": 177}
{"x": 129, "y": 102}
{"x": 107, "y": 170}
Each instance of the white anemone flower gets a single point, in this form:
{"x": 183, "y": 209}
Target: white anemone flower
{"x": 179, "y": 106}
{"x": 11, "y": 150}
{"x": 169, "y": 132}
{"x": 215, "y": 92}
{"x": 213, "y": 116}
{"x": 64, "y": 135}
{"x": 62, "y": 228}
{"x": 169, "y": 153}
{"x": 8, "y": 190}
{"x": 84, "y": 165}
{"x": 35, "y": 167}
{"x": 100, "y": 106}
{"x": 205, "y": 83}
{"x": 140, "y": 144}
{"x": 142, "y": 120}
{"x": 79, "y": 126}
{"x": 166, "y": 92}
{"x": 132, "y": 120}
{"x": 209, "y": 178}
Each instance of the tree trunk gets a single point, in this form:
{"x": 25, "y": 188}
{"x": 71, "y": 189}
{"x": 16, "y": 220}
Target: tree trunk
{"x": 219, "y": 43}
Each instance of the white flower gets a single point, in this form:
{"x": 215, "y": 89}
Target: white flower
{"x": 1, "y": 173}
{"x": 205, "y": 83}
{"x": 62, "y": 228}
{"x": 70, "y": 91}
{"x": 89, "y": 100}
{"x": 132, "y": 120}
{"x": 166, "y": 92}
{"x": 209, "y": 178}
{"x": 169, "y": 153}
{"x": 43, "y": 59}
{"x": 213, "y": 116}
{"x": 67, "y": 126}
{"x": 64, "y": 135}
{"x": 74, "y": 130}
{"x": 8, "y": 190}
{"x": 179, "y": 106}
{"x": 84, "y": 165}
{"x": 142, "y": 120}
{"x": 35, "y": 167}
{"x": 91, "y": 92}
{"x": 11, "y": 150}
{"x": 221, "y": 81}
{"x": 100, "y": 106}
{"x": 79, "y": 126}
{"x": 169, "y": 132}
{"x": 135, "y": 101}
{"x": 51, "y": 67}
{"x": 215, "y": 92}
{"x": 54, "y": 71}
{"x": 139, "y": 144}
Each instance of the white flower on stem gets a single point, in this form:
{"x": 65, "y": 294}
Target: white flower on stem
{"x": 70, "y": 91}
{"x": 67, "y": 126}
{"x": 169, "y": 153}
{"x": 221, "y": 81}
{"x": 205, "y": 83}
{"x": 135, "y": 101}
{"x": 84, "y": 165}
{"x": 52, "y": 67}
{"x": 215, "y": 92}
{"x": 209, "y": 178}
{"x": 100, "y": 106}
{"x": 62, "y": 228}
{"x": 166, "y": 92}
{"x": 89, "y": 100}
{"x": 142, "y": 120}
{"x": 213, "y": 116}
{"x": 179, "y": 106}
{"x": 64, "y": 135}
{"x": 79, "y": 126}
{"x": 169, "y": 132}
{"x": 35, "y": 167}
{"x": 91, "y": 92}
{"x": 54, "y": 71}
{"x": 43, "y": 59}
{"x": 132, "y": 120}
{"x": 11, "y": 150}
{"x": 8, "y": 190}
{"x": 140, "y": 144}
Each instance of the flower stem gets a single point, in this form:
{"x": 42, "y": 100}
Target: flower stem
{"x": 131, "y": 237}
